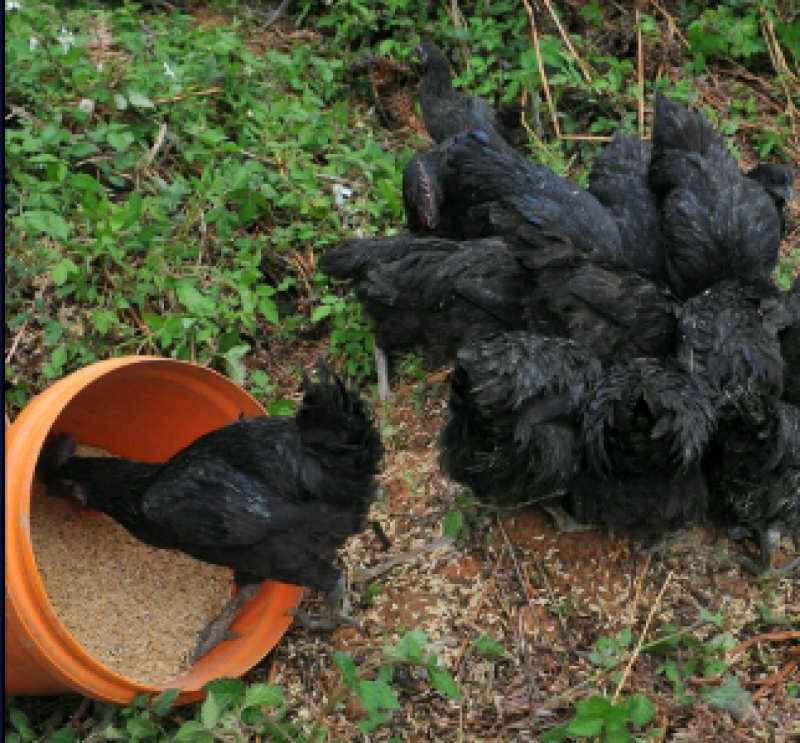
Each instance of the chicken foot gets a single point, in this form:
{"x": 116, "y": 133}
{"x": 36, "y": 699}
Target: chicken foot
{"x": 337, "y": 612}
{"x": 762, "y": 564}
{"x": 218, "y": 629}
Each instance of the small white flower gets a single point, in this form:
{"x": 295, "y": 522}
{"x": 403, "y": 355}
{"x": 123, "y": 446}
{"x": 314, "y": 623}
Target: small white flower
{"x": 341, "y": 194}
{"x": 168, "y": 71}
{"x": 12, "y": 5}
{"x": 33, "y": 42}
{"x": 87, "y": 106}
{"x": 67, "y": 39}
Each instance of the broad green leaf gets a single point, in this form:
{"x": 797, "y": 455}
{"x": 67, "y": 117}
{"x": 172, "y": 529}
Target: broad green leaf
{"x": 348, "y": 669}
{"x": 65, "y": 735}
{"x": 229, "y": 691}
{"x": 730, "y": 696}
{"x": 120, "y": 140}
{"x": 141, "y": 727}
{"x": 320, "y": 312}
{"x": 444, "y": 683}
{"x": 376, "y": 695}
{"x": 61, "y": 271}
{"x": 164, "y": 702}
{"x": 453, "y": 523}
{"x": 38, "y": 220}
{"x": 488, "y": 647}
{"x": 269, "y": 309}
{"x": 263, "y": 695}
{"x": 211, "y": 710}
{"x": 139, "y": 100}
{"x": 195, "y": 302}
{"x": 282, "y": 408}
{"x": 585, "y": 726}
{"x": 192, "y": 732}
{"x": 641, "y": 710}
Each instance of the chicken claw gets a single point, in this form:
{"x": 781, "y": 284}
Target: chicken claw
{"x": 337, "y": 612}
{"x": 218, "y": 629}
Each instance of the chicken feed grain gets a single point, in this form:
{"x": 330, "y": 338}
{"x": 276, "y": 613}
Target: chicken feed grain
{"x": 133, "y": 608}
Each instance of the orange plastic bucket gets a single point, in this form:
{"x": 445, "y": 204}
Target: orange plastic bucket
{"x": 143, "y": 408}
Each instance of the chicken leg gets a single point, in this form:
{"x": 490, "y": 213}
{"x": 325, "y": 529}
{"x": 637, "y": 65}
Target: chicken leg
{"x": 337, "y": 612}
{"x": 382, "y": 368}
{"x": 218, "y": 629}
{"x": 565, "y": 523}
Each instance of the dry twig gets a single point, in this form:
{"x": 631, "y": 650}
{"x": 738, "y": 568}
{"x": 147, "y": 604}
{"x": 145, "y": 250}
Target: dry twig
{"x": 638, "y": 649}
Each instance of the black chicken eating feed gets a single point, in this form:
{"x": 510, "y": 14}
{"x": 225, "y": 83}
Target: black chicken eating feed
{"x": 645, "y": 425}
{"x": 512, "y": 432}
{"x": 717, "y": 222}
{"x": 270, "y": 497}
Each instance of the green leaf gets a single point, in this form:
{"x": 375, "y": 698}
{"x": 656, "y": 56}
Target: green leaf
{"x": 444, "y": 683}
{"x": 376, "y": 695}
{"x": 120, "y": 140}
{"x": 192, "y": 732}
{"x": 229, "y": 691}
{"x": 641, "y": 710}
{"x": 281, "y": 408}
{"x": 321, "y": 312}
{"x": 585, "y": 726}
{"x": 409, "y": 647}
{"x": 269, "y": 309}
{"x": 65, "y": 735}
{"x": 211, "y": 710}
{"x": 61, "y": 271}
{"x": 139, "y": 100}
{"x": 39, "y": 220}
{"x": 20, "y": 722}
{"x": 141, "y": 727}
{"x": 453, "y": 523}
{"x": 233, "y": 363}
{"x": 729, "y": 696}
{"x": 263, "y": 695}
{"x": 348, "y": 669}
{"x": 164, "y": 702}
{"x": 617, "y": 735}
{"x": 120, "y": 101}
{"x": 488, "y": 647}
{"x": 195, "y": 302}
{"x": 559, "y": 733}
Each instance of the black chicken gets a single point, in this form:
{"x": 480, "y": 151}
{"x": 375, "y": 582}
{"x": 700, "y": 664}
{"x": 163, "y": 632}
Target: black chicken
{"x": 717, "y": 222}
{"x": 727, "y": 336}
{"x": 272, "y": 498}
{"x": 753, "y": 471}
{"x": 790, "y": 344}
{"x": 447, "y": 111}
{"x": 778, "y": 182}
{"x": 645, "y": 427}
{"x": 435, "y": 296}
{"x": 502, "y": 193}
{"x": 511, "y": 436}
{"x": 618, "y": 180}
{"x": 605, "y": 306}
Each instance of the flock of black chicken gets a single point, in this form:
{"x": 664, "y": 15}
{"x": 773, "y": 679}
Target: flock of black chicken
{"x": 621, "y": 357}
{"x": 621, "y": 352}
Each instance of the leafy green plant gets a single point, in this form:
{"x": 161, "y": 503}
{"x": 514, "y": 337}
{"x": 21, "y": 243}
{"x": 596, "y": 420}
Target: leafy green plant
{"x": 606, "y": 720}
